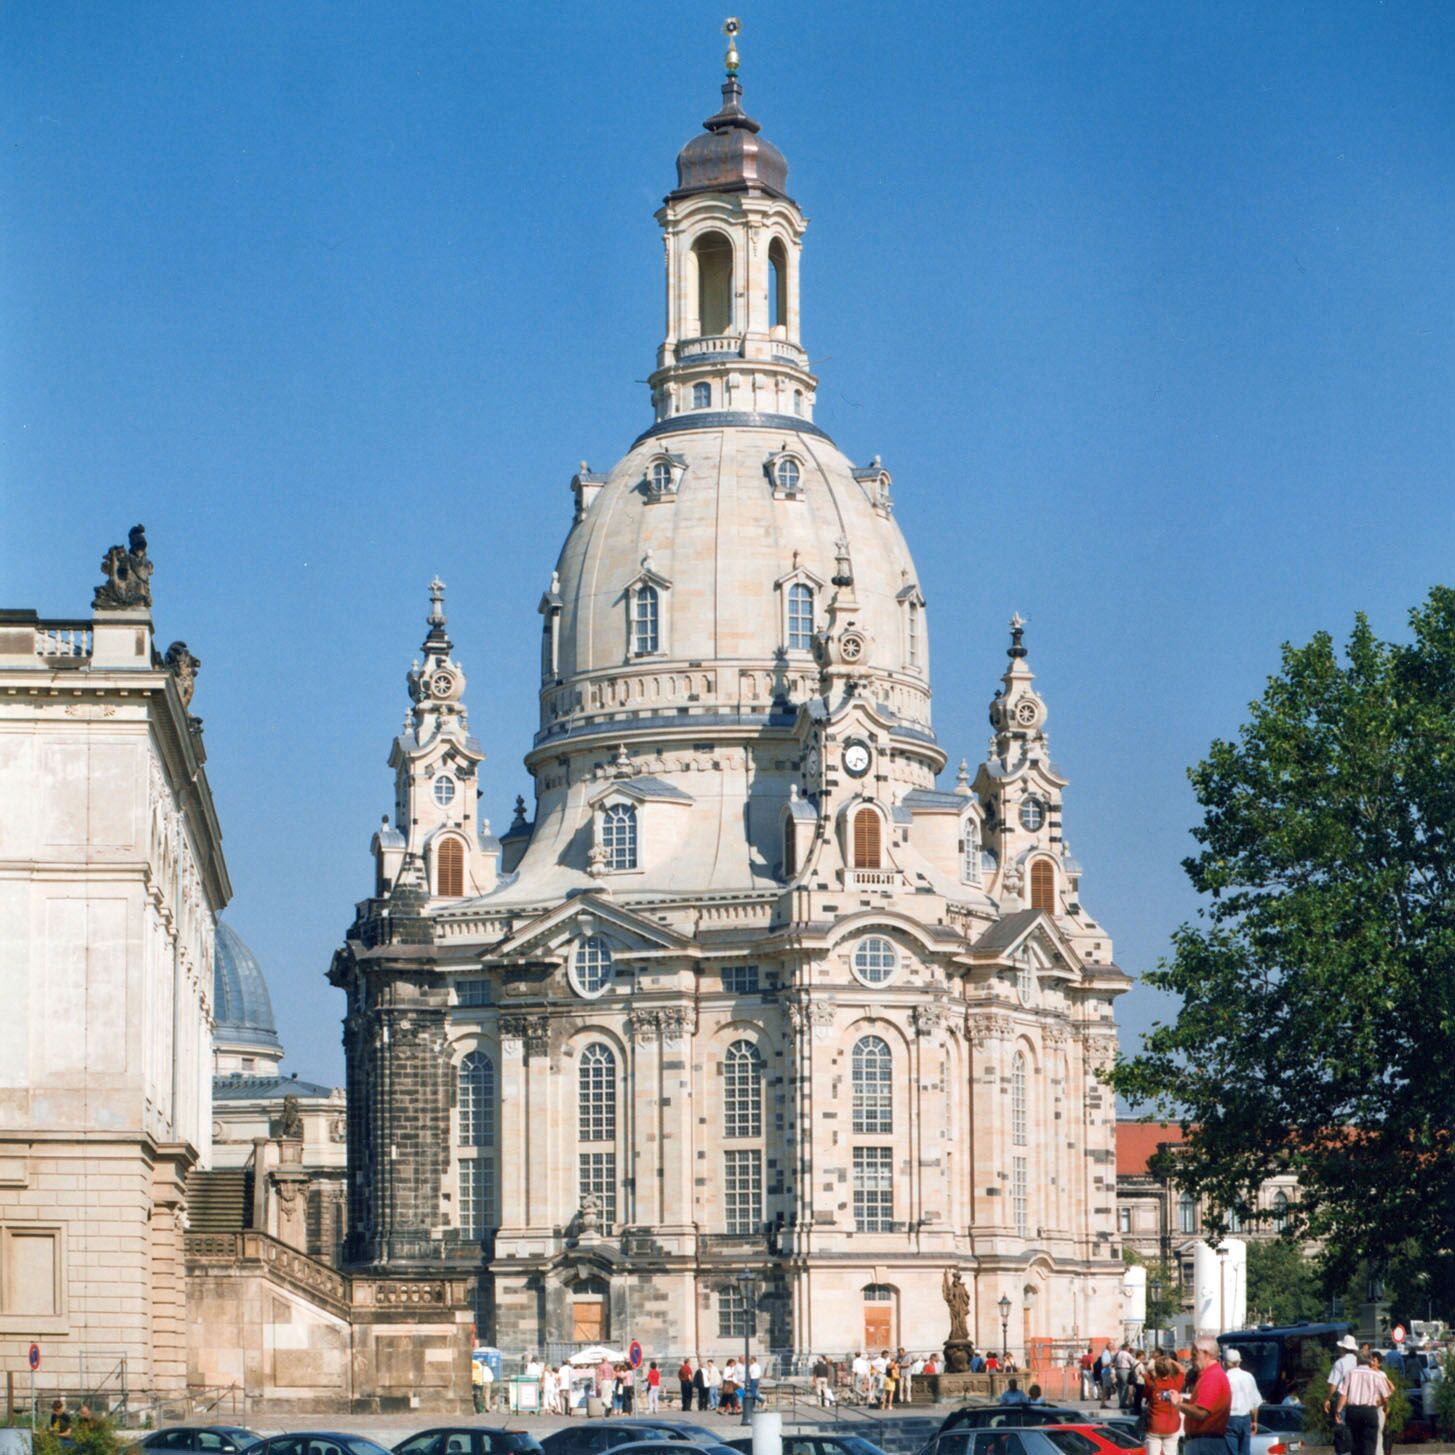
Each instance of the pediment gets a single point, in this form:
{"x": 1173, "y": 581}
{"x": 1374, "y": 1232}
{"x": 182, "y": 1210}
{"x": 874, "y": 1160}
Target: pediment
{"x": 1027, "y": 937}
{"x": 546, "y": 936}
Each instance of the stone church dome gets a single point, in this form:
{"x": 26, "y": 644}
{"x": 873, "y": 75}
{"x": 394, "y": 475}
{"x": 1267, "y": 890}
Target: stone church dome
{"x": 241, "y": 1005}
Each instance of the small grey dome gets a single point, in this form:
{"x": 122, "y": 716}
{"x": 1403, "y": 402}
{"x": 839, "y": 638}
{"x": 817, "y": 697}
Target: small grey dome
{"x": 732, "y": 157}
{"x": 241, "y": 1006}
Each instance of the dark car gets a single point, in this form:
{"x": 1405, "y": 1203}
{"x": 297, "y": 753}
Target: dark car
{"x": 317, "y": 1442}
{"x": 214, "y": 1439}
{"x": 675, "y": 1447}
{"x": 1005, "y": 1440}
{"x": 1009, "y": 1416}
{"x": 469, "y": 1440}
{"x": 598, "y": 1435}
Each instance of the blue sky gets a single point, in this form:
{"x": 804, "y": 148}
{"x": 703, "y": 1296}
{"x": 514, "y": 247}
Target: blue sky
{"x": 1148, "y": 308}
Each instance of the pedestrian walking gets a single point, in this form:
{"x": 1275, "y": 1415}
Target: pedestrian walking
{"x": 654, "y": 1388}
{"x": 750, "y": 1388}
{"x": 1361, "y": 1393}
{"x": 684, "y": 1378}
{"x": 821, "y": 1380}
{"x": 699, "y": 1384}
{"x": 1205, "y": 1415}
{"x": 714, "y": 1385}
{"x": 1341, "y": 1368}
{"x": 1122, "y": 1374}
{"x": 477, "y": 1385}
{"x": 1243, "y": 1410}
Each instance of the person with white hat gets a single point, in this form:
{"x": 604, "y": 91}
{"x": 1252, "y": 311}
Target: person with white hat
{"x": 1243, "y": 1412}
{"x": 1343, "y": 1365}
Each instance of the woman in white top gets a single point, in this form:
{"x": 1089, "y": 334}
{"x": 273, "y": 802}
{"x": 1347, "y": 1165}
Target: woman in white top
{"x": 548, "y": 1390}
{"x": 563, "y": 1382}
{"x": 713, "y": 1376}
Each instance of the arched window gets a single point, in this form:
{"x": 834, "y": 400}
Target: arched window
{"x": 661, "y": 477}
{"x": 777, "y": 284}
{"x": 1186, "y": 1214}
{"x": 596, "y": 1124}
{"x": 798, "y": 401}
{"x": 714, "y": 254}
{"x": 873, "y": 1086}
{"x": 646, "y": 636}
{"x": 790, "y": 849}
{"x": 742, "y": 1091}
{"x": 866, "y": 839}
{"x": 597, "y": 1085}
{"x": 476, "y": 1139}
{"x": 1018, "y": 1099}
{"x": 702, "y": 396}
{"x": 800, "y": 617}
{"x": 619, "y": 836}
{"x": 787, "y": 476}
{"x": 1280, "y": 1211}
{"x": 1043, "y": 886}
{"x": 970, "y": 851}
{"x": 912, "y": 633}
{"x": 477, "y": 1100}
{"x": 450, "y": 869}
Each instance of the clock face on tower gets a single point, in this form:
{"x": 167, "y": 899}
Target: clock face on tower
{"x": 442, "y": 684}
{"x": 857, "y": 757}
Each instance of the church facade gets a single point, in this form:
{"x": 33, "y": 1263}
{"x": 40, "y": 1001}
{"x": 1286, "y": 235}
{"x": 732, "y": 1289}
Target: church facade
{"x": 750, "y": 1027}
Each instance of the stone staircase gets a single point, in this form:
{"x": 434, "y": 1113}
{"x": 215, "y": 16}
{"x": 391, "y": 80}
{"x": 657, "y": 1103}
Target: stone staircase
{"x": 220, "y": 1200}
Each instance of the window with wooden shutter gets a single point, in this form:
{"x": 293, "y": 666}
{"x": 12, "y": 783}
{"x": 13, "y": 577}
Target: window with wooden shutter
{"x": 866, "y": 839}
{"x": 450, "y": 873}
{"x": 1043, "y": 886}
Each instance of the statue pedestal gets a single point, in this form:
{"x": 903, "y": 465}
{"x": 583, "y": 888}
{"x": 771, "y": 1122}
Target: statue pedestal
{"x": 958, "y": 1354}
{"x": 955, "y": 1388}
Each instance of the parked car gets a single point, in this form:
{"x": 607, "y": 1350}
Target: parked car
{"x": 317, "y": 1442}
{"x": 674, "y": 1447}
{"x": 1280, "y": 1430}
{"x": 597, "y": 1435}
{"x": 1127, "y": 1424}
{"x": 469, "y": 1440}
{"x": 1093, "y": 1439}
{"x": 215, "y": 1439}
{"x": 1012, "y": 1416}
{"x": 816, "y": 1445}
{"x": 1003, "y": 1440}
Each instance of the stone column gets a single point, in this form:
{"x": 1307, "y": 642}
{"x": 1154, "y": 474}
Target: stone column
{"x": 678, "y": 1027}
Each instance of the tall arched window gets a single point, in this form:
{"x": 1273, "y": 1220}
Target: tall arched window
{"x": 476, "y": 1144}
{"x": 800, "y": 618}
{"x": 646, "y": 634}
{"x": 742, "y": 1091}
{"x": 873, "y": 1085}
{"x": 619, "y": 836}
{"x": 790, "y": 849}
{"x": 702, "y": 396}
{"x": 969, "y": 851}
{"x": 866, "y": 839}
{"x": 777, "y": 284}
{"x": 1280, "y": 1211}
{"x": 912, "y": 633}
{"x": 1186, "y": 1214}
{"x": 1043, "y": 886}
{"x": 450, "y": 869}
{"x": 596, "y": 1125}
{"x": 1018, "y": 1099}
{"x": 714, "y": 254}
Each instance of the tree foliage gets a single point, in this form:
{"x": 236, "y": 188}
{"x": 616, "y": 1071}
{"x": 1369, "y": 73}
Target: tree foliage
{"x": 1317, "y": 987}
{"x": 1283, "y": 1284}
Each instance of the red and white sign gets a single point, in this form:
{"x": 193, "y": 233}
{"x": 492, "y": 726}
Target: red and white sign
{"x": 1397, "y": 1334}
{"x": 634, "y": 1355}
{"x": 34, "y": 1357}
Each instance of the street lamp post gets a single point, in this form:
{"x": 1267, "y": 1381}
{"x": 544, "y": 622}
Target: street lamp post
{"x": 747, "y": 1283}
{"x": 1004, "y": 1307}
{"x": 1222, "y": 1288}
{"x": 1155, "y": 1289}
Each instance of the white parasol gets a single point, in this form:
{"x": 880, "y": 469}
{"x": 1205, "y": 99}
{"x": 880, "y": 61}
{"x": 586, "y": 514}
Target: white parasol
{"x": 596, "y": 1353}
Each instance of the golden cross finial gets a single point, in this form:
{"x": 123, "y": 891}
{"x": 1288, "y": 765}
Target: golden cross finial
{"x": 731, "y": 28}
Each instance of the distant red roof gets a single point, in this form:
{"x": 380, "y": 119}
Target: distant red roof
{"x": 1137, "y": 1143}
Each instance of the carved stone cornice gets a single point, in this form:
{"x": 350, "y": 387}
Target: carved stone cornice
{"x": 929, "y": 1018}
{"x": 982, "y": 1029}
{"x": 528, "y": 1035}
{"x": 810, "y": 1014}
{"x": 670, "y": 1024}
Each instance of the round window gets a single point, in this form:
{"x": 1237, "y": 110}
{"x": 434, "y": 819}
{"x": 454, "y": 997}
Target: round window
{"x": 591, "y": 966}
{"x": 1033, "y": 814}
{"x": 444, "y": 790}
{"x": 787, "y": 475}
{"x": 875, "y": 960}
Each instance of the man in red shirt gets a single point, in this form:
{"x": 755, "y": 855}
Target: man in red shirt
{"x": 1205, "y": 1414}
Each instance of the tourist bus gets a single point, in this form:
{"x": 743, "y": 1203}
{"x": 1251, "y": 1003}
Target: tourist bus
{"x": 1283, "y": 1360}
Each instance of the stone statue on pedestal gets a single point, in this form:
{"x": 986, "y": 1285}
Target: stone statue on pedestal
{"x": 128, "y": 575}
{"x": 957, "y": 1299}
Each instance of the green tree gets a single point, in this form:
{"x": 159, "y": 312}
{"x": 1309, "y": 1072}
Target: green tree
{"x": 1283, "y": 1284}
{"x": 1163, "y": 1288}
{"x": 1317, "y": 986}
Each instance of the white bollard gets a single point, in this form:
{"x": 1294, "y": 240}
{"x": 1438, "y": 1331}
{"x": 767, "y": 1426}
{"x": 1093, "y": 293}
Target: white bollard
{"x": 767, "y": 1433}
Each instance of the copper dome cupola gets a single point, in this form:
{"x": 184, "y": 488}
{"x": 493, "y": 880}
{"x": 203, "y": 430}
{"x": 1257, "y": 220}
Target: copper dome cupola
{"x": 732, "y": 156}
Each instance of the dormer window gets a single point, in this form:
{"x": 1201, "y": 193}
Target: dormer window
{"x": 800, "y": 618}
{"x": 619, "y": 836}
{"x": 912, "y": 634}
{"x": 646, "y": 624}
{"x": 663, "y": 475}
{"x": 702, "y": 396}
{"x": 660, "y": 479}
{"x": 786, "y": 475}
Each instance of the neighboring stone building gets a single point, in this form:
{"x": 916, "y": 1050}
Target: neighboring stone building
{"x": 111, "y": 878}
{"x": 749, "y": 990}
{"x": 1162, "y": 1223}
{"x": 259, "y": 1116}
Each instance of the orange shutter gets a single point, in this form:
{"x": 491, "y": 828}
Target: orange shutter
{"x": 451, "y": 870}
{"x": 866, "y": 839}
{"x": 1043, "y": 886}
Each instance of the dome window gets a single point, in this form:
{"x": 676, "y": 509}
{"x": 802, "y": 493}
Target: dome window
{"x": 784, "y": 470}
{"x": 591, "y": 967}
{"x": 800, "y": 617}
{"x": 798, "y": 402}
{"x": 646, "y": 629}
{"x": 1033, "y": 814}
{"x": 664, "y": 474}
{"x": 444, "y": 790}
{"x": 702, "y": 396}
{"x": 619, "y": 836}
{"x": 661, "y": 477}
{"x": 786, "y": 476}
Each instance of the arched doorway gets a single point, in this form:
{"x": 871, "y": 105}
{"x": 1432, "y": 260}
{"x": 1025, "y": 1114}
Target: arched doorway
{"x": 879, "y": 1332}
